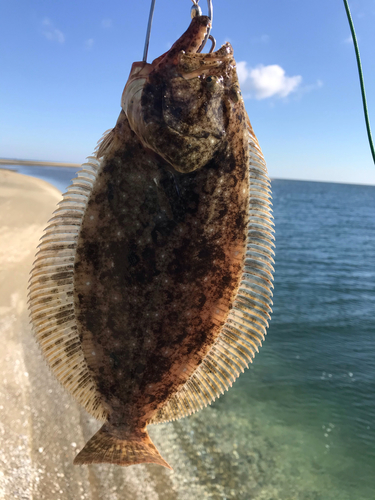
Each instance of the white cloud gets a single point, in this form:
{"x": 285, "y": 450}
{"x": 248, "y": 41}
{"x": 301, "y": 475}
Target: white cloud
{"x": 52, "y": 33}
{"x": 262, "y": 82}
{"x": 106, "y": 23}
{"x": 349, "y": 39}
{"x": 89, "y": 43}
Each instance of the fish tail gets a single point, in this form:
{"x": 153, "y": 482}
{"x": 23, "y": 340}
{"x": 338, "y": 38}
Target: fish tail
{"x": 105, "y": 447}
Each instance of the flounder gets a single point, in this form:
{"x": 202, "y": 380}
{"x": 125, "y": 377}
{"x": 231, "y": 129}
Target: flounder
{"x": 151, "y": 289}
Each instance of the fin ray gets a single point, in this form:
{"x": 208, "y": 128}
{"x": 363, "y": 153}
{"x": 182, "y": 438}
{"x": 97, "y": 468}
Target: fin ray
{"x": 51, "y": 293}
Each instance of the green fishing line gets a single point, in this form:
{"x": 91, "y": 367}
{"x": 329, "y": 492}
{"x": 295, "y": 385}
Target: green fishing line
{"x": 360, "y": 79}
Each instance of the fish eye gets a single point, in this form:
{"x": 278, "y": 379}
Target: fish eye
{"x": 235, "y": 93}
{"x": 212, "y": 82}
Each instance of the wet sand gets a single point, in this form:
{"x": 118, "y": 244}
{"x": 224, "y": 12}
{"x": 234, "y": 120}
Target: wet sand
{"x": 41, "y": 427}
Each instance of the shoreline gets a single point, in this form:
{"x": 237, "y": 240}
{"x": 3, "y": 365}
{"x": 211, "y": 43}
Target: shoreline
{"x": 36, "y": 163}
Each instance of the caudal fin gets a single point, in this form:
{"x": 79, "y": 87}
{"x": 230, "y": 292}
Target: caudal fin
{"x": 104, "y": 447}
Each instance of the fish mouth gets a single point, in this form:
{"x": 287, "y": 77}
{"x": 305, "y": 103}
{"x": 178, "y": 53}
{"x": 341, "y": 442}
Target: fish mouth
{"x": 187, "y": 48}
{"x": 195, "y": 35}
{"x": 190, "y": 42}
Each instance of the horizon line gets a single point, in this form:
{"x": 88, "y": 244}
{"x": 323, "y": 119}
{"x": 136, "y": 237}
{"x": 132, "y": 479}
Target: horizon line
{"x": 42, "y": 163}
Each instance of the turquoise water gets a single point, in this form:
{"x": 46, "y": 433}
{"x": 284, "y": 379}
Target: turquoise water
{"x": 314, "y": 380}
{"x": 300, "y": 423}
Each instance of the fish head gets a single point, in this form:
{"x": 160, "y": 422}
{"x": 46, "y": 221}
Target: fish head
{"x": 181, "y": 104}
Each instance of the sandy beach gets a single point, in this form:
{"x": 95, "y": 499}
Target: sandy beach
{"x": 36, "y": 417}
{"x": 41, "y": 427}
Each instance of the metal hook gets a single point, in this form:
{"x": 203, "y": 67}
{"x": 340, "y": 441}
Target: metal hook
{"x": 197, "y": 11}
{"x": 213, "y": 41}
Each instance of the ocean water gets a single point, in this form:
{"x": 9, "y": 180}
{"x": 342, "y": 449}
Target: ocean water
{"x": 300, "y": 423}
{"x": 312, "y": 386}
{"x": 59, "y": 177}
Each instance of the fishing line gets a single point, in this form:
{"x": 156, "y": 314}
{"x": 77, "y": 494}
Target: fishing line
{"x": 152, "y": 8}
{"x": 360, "y": 79}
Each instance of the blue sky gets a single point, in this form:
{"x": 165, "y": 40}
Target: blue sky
{"x": 63, "y": 66}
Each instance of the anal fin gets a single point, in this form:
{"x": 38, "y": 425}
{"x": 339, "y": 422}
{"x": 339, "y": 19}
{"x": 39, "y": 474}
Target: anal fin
{"x": 106, "y": 447}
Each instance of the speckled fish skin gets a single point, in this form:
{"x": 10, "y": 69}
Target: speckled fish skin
{"x": 160, "y": 251}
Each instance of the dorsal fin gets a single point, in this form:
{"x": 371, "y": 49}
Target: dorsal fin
{"x": 105, "y": 143}
{"x": 246, "y": 323}
{"x": 51, "y": 291}
{"x": 111, "y": 138}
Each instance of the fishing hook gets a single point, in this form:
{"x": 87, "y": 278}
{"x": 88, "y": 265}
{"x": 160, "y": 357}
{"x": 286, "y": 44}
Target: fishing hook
{"x": 197, "y": 11}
